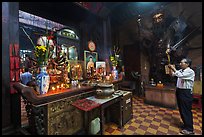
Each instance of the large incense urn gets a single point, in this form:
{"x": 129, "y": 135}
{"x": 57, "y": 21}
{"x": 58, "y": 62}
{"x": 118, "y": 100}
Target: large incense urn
{"x": 104, "y": 90}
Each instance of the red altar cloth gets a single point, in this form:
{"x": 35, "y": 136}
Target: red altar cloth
{"x": 85, "y": 104}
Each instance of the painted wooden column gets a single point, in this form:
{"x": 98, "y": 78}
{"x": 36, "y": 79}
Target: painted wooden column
{"x": 11, "y": 108}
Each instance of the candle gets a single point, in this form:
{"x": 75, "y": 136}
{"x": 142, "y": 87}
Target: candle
{"x": 53, "y": 88}
{"x": 62, "y": 85}
{"x": 57, "y": 87}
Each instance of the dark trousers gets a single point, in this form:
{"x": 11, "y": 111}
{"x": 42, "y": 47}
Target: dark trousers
{"x": 184, "y": 101}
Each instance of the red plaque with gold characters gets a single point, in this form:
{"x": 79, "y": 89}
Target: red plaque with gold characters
{"x": 91, "y": 46}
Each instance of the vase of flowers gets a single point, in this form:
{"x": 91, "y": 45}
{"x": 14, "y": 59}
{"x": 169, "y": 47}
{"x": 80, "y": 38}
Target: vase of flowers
{"x": 115, "y": 61}
{"x": 41, "y": 53}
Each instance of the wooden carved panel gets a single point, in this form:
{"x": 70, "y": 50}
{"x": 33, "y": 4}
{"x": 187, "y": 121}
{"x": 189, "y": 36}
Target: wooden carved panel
{"x": 63, "y": 118}
{"x": 65, "y": 123}
{"x": 56, "y": 118}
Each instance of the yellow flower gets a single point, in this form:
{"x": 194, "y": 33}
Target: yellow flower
{"x": 40, "y": 53}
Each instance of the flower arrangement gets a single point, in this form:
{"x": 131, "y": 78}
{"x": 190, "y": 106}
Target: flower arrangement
{"x": 114, "y": 60}
{"x": 42, "y": 49}
{"x": 41, "y": 55}
{"x": 115, "y": 57}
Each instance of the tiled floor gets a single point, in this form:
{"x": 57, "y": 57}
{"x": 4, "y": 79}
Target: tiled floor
{"x": 148, "y": 120}
{"x": 153, "y": 120}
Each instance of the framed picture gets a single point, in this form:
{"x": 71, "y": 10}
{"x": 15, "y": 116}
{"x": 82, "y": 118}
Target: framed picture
{"x": 90, "y": 59}
{"x": 101, "y": 67}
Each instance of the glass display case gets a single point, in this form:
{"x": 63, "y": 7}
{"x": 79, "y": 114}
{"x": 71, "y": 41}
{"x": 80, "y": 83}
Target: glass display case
{"x": 73, "y": 54}
{"x": 77, "y": 70}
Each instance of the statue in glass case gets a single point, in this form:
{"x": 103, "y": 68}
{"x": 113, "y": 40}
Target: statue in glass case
{"x": 76, "y": 70}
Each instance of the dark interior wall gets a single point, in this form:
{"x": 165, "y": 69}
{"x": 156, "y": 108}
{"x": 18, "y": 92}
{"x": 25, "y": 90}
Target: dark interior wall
{"x": 97, "y": 30}
{"x": 10, "y": 35}
{"x": 91, "y": 29}
{"x": 126, "y": 37}
{"x": 131, "y": 60}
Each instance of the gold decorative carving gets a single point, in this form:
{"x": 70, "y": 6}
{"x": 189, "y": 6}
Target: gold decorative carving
{"x": 63, "y": 118}
{"x": 66, "y": 123}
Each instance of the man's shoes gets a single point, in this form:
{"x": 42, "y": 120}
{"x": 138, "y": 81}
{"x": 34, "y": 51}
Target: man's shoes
{"x": 186, "y": 132}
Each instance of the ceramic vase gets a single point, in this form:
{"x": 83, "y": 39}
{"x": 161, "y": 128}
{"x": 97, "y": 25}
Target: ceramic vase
{"x": 115, "y": 73}
{"x": 42, "y": 81}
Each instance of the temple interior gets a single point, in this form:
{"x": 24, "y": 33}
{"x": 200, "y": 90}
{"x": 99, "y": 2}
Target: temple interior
{"x": 101, "y": 68}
